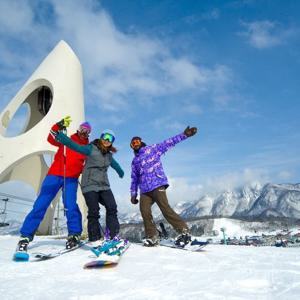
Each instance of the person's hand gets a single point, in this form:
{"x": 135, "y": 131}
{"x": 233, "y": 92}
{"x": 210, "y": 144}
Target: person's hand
{"x": 190, "y": 131}
{"x": 64, "y": 123}
{"x": 121, "y": 174}
{"x": 134, "y": 200}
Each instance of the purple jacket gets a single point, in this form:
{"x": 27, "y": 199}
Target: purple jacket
{"x": 147, "y": 171}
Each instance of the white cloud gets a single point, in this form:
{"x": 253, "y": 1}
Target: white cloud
{"x": 213, "y": 14}
{"x": 285, "y": 175}
{"x": 119, "y": 66}
{"x": 192, "y": 108}
{"x": 231, "y": 180}
{"x": 182, "y": 73}
{"x": 221, "y": 80}
{"x": 15, "y": 16}
{"x": 265, "y": 34}
{"x": 168, "y": 123}
{"x": 181, "y": 190}
{"x": 120, "y": 69}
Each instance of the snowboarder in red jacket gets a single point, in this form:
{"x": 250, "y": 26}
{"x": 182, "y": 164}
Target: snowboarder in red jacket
{"x": 63, "y": 174}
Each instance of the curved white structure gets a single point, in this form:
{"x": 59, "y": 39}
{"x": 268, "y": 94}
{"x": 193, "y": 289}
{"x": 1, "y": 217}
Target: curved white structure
{"x": 53, "y": 91}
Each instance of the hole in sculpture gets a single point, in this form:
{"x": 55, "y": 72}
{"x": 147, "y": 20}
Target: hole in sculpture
{"x": 31, "y": 112}
{"x": 18, "y": 122}
{"x": 48, "y": 159}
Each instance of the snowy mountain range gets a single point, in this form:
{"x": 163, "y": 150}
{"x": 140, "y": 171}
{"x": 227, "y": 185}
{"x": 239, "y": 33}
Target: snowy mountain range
{"x": 255, "y": 200}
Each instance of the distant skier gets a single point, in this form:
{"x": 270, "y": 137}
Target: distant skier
{"x": 64, "y": 170}
{"x": 95, "y": 184}
{"x": 148, "y": 175}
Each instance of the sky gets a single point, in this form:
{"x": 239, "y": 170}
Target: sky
{"x": 230, "y": 68}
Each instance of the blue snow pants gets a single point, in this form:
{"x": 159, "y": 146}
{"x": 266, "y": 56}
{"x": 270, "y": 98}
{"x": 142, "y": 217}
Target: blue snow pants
{"x": 49, "y": 189}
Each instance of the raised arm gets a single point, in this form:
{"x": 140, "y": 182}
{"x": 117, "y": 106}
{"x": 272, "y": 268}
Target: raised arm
{"x": 169, "y": 143}
{"x": 83, "y": 149}
{"x": 56, "y": 128}
{"x": 114, "y": 164}
{"x": 51, "y": 136}
{"x": 164, "y": 146}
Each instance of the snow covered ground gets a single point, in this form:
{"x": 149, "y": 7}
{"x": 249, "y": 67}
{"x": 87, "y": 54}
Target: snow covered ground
{"x": 220, "y": 272}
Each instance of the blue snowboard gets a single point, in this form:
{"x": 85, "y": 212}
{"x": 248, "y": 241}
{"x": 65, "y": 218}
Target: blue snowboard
{"x": 20, "y": 256}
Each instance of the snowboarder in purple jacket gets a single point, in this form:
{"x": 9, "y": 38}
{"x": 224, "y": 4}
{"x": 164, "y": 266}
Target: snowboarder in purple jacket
{"x": 148, "y": 175}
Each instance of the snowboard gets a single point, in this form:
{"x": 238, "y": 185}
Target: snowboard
{"x": 20, "y": 256}
{"x": 41, "y": 256}
{"x": 194, "y": 245}
{"x": 108, "y": 255}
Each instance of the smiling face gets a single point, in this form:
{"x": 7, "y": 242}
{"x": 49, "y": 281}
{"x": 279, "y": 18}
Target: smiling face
{"x": 84, "y": 130}
{"x": 83, "y": 134}
{"x": 106, "y": 139}
{"x": 105, "y": 143}
{"x": 136, "y": 143}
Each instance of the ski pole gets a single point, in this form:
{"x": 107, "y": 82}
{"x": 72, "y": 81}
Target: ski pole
{"x": 65, "y": 171}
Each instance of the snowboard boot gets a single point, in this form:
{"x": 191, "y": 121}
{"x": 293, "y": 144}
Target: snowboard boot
{"x": 183, "y": 239}
{"x": 96, "y": 244}
{"x": 150, "y": 242}
{"x": 73, "y": 241}
{"x": 23, "y": 244}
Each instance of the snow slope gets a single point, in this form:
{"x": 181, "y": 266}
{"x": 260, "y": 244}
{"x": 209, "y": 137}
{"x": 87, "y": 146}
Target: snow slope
{"x": 220, "y": 272}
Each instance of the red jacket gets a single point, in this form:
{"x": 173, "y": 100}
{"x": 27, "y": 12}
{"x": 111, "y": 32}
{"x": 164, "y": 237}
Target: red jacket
{"x": 74, "y": 160}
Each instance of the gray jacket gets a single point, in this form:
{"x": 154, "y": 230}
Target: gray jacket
{"x": 94, "y": 174}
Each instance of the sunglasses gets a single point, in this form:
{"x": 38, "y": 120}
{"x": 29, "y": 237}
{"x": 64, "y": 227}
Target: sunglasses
{"x": 107, "y": 137}
{"x": 135, "y": 143}
{"x": 84, "y": 132}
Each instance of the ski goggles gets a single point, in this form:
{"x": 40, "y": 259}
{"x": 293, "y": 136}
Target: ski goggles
{"x": 107, "y": 137}
{"x": 135, "y": 143}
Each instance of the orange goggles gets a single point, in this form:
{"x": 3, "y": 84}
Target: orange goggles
{"x": 135, "y": 143}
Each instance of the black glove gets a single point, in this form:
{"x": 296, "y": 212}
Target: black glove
{"x": 134, "y": 200}
{"x": 64, "y": 123}
{"x": 190, "y": 131}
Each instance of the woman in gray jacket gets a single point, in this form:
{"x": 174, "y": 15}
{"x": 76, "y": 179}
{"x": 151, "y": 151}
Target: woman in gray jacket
{"x": 95, "y": 184}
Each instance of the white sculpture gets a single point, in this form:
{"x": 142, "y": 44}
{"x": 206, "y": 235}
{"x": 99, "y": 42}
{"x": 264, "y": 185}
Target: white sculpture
{"x": 53, "y": 91}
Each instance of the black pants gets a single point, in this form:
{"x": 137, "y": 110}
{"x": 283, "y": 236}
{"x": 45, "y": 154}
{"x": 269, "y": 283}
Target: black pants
{"x": 106, "y": 198}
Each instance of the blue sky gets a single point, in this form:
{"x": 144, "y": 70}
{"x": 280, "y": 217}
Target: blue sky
{"x": 151, "y": 68}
